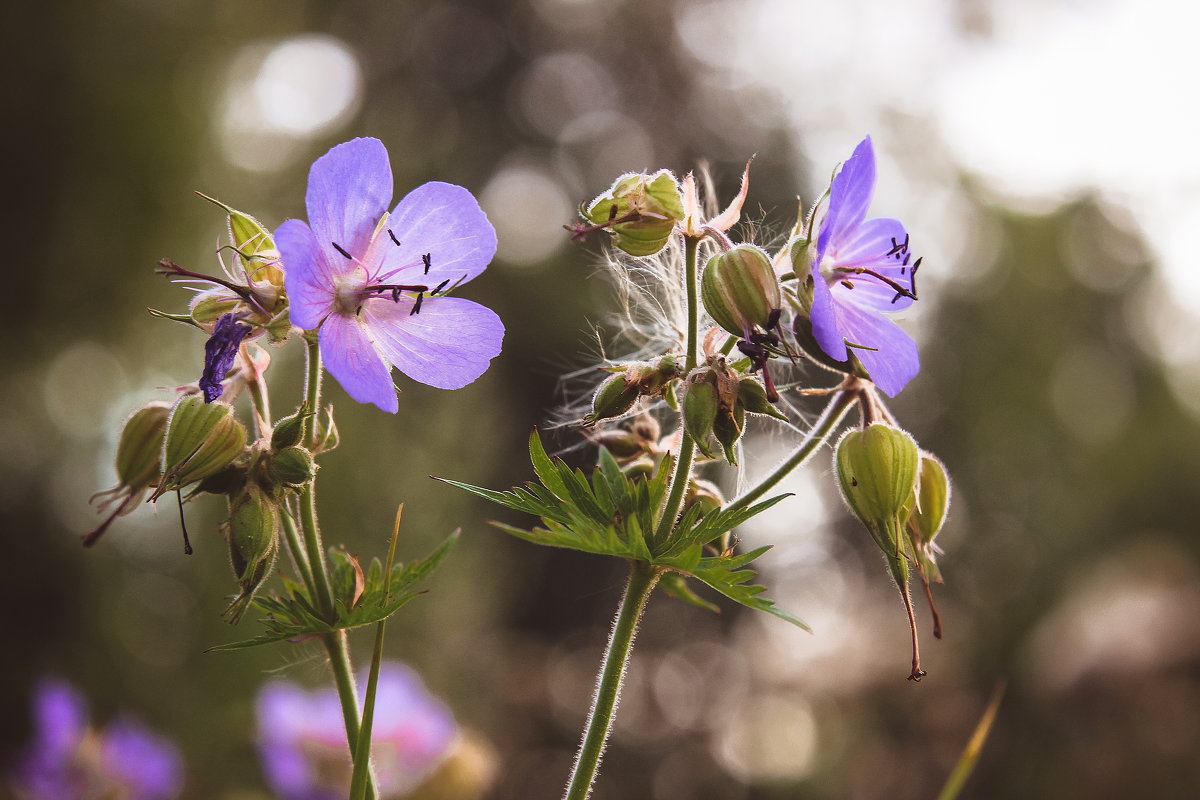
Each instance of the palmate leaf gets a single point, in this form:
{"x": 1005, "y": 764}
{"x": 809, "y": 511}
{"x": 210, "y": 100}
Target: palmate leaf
{"x": 359, "y": 599}
{"x": 614, "y": 514}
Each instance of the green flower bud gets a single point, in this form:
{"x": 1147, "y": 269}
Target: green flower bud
{"x": 752, "y": 396}
{"x": 325, "y": 435}
{"x": 207, "y": 307}
{"x": 640, "y": 210}
{"x": 139, "y": 449}
{"x": 877, "y": 472}
{"x": 933, "y": 499}
{"x": 700, "y": 407}
{"x": 289, "y": 430}
{"x": 254, "y": 244}
{"x": 704, "y": 494}
{"x": 253, "y": 531}
{"x": 739, "y": 289}
{"x": 614, "y": 397}
{"x": 201, "y": 439}
{"x": 292, "y": 466}
{"x": 644, "y": 467}
{"x": 623, "y": 445}
{"x": 728, "y": 428}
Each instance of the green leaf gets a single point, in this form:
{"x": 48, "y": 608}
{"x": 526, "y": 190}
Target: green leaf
{"x": 727, "y": 576}
{"x": 293, "y": 616}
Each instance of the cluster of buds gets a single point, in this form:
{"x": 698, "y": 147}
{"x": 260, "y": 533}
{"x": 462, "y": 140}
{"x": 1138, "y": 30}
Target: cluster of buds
{"x": 201, "y": 447}
{"x": 617, "y": 393}
{"x": 716, "y": 400}
{"x": 901, "y": 494}
{"x": 640, "y": 211}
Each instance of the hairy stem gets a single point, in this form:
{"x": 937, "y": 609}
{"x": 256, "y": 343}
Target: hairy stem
{"x": 687, "y": 447}
{"x": 335, "y": 643}
{"x": 820, "y": 433}
{"x": 642, "y": 578}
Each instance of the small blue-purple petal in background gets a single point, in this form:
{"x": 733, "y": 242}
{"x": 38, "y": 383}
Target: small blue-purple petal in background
{"x": 447, "y": 345}
{"x": 301, "y": 737}
{"x": 446, "y": 222}
{"x": 219, "y": 352}
{"x": 147, "y": 766}
{"x": 349, "y": 189}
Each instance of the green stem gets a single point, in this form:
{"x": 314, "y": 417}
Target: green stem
{"x": 642, "y": 578}
{"x": 335, "y": 643}
{"x": 296, "y": 550}
{"x": 818, "y": 435}
{"x": 687, "y": 448}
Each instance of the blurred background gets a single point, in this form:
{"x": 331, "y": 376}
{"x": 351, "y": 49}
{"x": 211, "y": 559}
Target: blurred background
{"x": 1043, "y": 156}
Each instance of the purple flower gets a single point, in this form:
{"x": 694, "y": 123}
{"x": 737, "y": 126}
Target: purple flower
{"x": 63, "y": 762}
{"x": 302, "y": 738}
{"x": 863, "y": 270}
{"x": 374, "y": 283}
{"x": 219, "y": 352}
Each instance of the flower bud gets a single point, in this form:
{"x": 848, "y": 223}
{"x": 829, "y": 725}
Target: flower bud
{"x": 139, "y": 450}
{"x": 700, "y": 407}
{"x": 704, "y": 494}
{"x": 289, "y": 430}
{"x": 728, "y": 428}
{"x": 253, "y": 243}
{"x": 253, "y": 530}
{"x": 201, "y": 439}
{"x": 739, "y": 289}
{"x": 623, "y": 445}
{"x": 933, "y": 499}
{"x": 641, "y": 211}
{"x": 325, "y": 433}
{"x": 209, "y": 306}
{"x": 752, "y": 396}
{"x": 292, "y": 466}
{"x": 614, "y": 397}
{"x": 643, "y": 467}
{"x": 877, "y": 472}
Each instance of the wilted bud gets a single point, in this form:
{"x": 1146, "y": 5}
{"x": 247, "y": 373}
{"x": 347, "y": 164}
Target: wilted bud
{"x": 139, "y": 450}
{"x": 739, "y": 289}
{"x": 139, "y": 458}
{"x": 292, "y": 466}
{"x": 201, "y": 439}
{"x": 253, "y": 530}
{"x": 752, "y": 397}
{"x": 641, "y": 211}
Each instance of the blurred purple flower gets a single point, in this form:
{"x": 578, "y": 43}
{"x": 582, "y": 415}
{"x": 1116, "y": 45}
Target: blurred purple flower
{"x": 862, "y": 271}
{"x": 64, "y": 763}
{"x": 373, "y": 282}
{"x": 302, "y": 739}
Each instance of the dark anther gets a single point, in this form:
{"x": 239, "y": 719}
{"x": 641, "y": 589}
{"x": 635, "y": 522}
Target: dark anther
{"x": 898, "y": 247}
{"x": 767, "y": 338}
{"x": 907, "y": 256}
{"x": 439, "y": 287}
{"x": 850, "y": 285}
{"x": 427, "y": 260}
{"x": 773, "y": 318}
{"x": 394, "y": 239}
{"x": 338, "y": 247}
{"x": 916, "y": 265}
{"x": 396, "y": 295}
{"x": 416, "y": 309}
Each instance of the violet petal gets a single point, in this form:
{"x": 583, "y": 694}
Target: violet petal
{"x": 447, "y": 345}
{"x": 868, "y": 246}
{"x": 349, "y": 189}
{"x": 350, "y": 357}
{"x": 826, "y": 326}
{"x": 309, "y": 275}
{"x": 446, "y": 222}
{"x": 849, "y": 196}
{"x": 894, "y": 361}
{"x": 219, "y": 352}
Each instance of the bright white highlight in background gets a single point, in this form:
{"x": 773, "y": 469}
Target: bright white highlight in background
{"x": 280, "y": 95}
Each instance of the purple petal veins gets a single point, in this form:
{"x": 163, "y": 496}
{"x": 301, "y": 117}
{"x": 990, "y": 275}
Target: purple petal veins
{"x": 863, "y": 270}
{"x": 376, "y": 298}
{"x": 219, "y": 352}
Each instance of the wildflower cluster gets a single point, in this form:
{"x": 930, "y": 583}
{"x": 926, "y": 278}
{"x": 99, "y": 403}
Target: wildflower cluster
{"x": 364, "y": 287}
{"x": 752, "y": 318}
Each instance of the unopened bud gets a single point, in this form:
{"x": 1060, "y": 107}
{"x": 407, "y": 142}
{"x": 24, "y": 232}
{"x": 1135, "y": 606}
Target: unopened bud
{"x": 752, "y": 396}
{"x": 201, "y": 439}
{"x": 292, "y": 466}
{"x": 704, "y": 494}
{"x": 739, "y": 289}
{"x": 289, "y": 430}
{"x": 209, "y": 306}
{"x": 253, "y": 531}
{"x": 640, "y": 210}
{"x": 877, "y": 472}
{"x": 728, "y": 428}
{"x": 933, "y": 499}
{"x": 614, "y": 397}
{"x": 623, "y": 445}
{"x": 700, "y": 407}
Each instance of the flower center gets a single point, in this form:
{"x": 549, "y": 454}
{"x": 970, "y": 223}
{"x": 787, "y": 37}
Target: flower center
{"x": 352, "y": 291}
